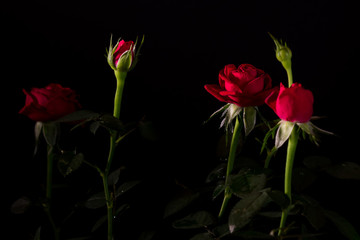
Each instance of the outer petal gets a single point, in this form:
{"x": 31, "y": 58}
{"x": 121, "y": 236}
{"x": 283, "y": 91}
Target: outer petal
{"x": 215, "y": 90}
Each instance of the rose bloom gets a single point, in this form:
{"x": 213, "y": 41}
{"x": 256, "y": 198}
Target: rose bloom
{"x": 49, "y": 103}
{"x": 244, "y": 86}
{"x": 294, "y": 104}
{"x": 122, "y": 47}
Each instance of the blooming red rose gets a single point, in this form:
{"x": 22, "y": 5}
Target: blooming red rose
{"x": 49, "y": 103}
{"x": 294, "y": 104}
{"x": 244, "y": 86}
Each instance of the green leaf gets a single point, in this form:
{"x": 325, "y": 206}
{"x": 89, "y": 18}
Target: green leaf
{"x": 283, "y": 133}
{"x": 110, "y": 122}
{"x": 99, "y": 223}
{"x": 202, "y": 236}
{"x": 218, "y": 190}
{"x": 195, "y": 220}
{"x": 20, "y": 205}
{"x": 69, "y": 161}
{"x": 317, "y": 162}
{"x": 279, "y": 198}
{"x": 217, "y": 173}
{"x": 271, "y": 132}
{"x": 249, "y": 118}
{"x": 113, "y": 177}
{"x": 246, "y": 208}
{"x": 180, "y": 202}
{"x": 244, "y": 184}
{"x": 345, "y": 170}
{"x": 147, "y": 235}
{"x": 342, "y": 225}
{"x": 96, "y": 201}
{"x": 78, "y": 116}
{"x": 253, "y": 235}
{"x": 125, "y": 187}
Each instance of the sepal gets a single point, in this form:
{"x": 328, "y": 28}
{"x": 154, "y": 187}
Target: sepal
{"x": 313, "y": 131}
{"x": 283, "y": 132}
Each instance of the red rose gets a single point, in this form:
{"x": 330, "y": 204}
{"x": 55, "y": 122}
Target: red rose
{"x": 49, "y": 103}
{"x": 294, "y": 104}
{"x": 121, "y": 48}
{"x": 244, "y": 86}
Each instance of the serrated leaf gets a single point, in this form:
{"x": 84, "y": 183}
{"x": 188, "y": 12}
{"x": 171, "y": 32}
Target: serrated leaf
{"x": 246, "y": 208}
{"x": 279, "y": 198}
{"x": 249, "y": 118}
{"x": 345, "y": 170}
{"x": 217, "y": 173}
{"x": 69, "y": 162}
{"x": 317, "y": 162}
{"x": 179, "y": 203}
{"x": 218, "y": 190}
{"x": 244, "y": 184}
{"x": 113, "y": 177}
{"x": 125, "y": 187}
{"x": 110, "y": 122}
{"x": 202, "y": 236}
{"x": 96, "y": 201}
{"x": 79, "y": 115}
{"x": 342, "y": 225}
{"x": 199, "y": 219}
{"x": 283, "y": 133}
{"x": 20, "y": 205}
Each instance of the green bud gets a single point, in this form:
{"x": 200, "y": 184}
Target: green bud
{"x": 124, "y": 63}
{"x": 282, "y": 52}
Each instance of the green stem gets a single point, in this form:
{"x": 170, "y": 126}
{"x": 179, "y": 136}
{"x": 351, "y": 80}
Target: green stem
{"x": 49, "y": 173}
{"x": 290, "y": 76}
{"x": 49, "y": 181}
{"x": 234, "y": 143}
{"x": 292, "y": 143}
{"x": 109, "y": 205}
{"x": 120, "y": 78}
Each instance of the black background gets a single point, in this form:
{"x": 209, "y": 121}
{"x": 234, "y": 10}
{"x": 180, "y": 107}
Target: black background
{"x": 186, "y": 44}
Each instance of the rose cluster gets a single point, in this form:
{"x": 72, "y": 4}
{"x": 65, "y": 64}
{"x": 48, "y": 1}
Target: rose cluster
{"x": 247, "y": 86}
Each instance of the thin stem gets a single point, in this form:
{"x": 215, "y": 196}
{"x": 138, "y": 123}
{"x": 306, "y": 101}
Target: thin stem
{"x": 292, "y": 143}
{"x": 49, "y": 181}
{"x": 49, "y": 173}
{"x": 109, "y": 205}
{"x": 120, "y": 79}
{"x": 290, "y": 76}
{"x": 234, "y": 143}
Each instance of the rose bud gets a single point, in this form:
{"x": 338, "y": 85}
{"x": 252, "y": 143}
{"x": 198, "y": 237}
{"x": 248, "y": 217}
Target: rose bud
{"x": 49, "y": 103}
{"x": 294, "y": 104}
{"x": 283, "y": 53}
{"x": 121, "y": 56}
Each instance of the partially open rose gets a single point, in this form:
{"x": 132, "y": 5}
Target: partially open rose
{"x": 49, "y": 103}
{"x": 244, "y": 86}
{"x": 294, "y": 104}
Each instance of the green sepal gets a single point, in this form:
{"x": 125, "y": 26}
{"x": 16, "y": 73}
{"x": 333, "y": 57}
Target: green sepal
{"x": 249, "y": 118}
{"x": 137, "y": 54}
{"x": 283, "y": 133}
